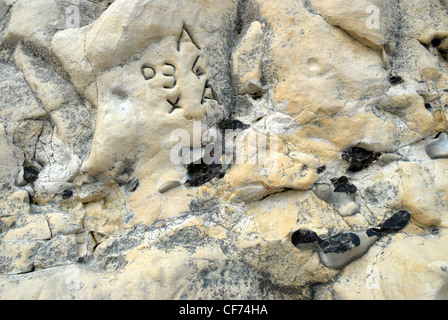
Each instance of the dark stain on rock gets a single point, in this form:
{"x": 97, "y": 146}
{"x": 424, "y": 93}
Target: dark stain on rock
{"x": 359, "y": 158}
{"x": 232, "y": 124}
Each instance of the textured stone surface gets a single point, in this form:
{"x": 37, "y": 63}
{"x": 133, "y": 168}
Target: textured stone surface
{"x": 93, "y": 207}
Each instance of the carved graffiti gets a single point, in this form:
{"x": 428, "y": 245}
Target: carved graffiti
{"x": 170, "y": 73}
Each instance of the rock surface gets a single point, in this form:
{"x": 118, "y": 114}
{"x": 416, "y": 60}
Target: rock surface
{"x": 338, "y": 111}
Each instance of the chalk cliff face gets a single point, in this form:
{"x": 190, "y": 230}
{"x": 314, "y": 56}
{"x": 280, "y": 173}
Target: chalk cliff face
{"x": 100, "y": 98}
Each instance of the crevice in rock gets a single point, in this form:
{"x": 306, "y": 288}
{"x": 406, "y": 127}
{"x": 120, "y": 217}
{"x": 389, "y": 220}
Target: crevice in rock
{"x": 48, "y": 225}
{"x": 32, "y": 269}
{"x": 434, "y": 47}
{"x": 355, "y": 38}
{"x": 37, "y": 141}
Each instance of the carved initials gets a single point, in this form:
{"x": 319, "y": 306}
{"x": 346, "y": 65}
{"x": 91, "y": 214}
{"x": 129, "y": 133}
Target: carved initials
{"x": 197, "y": 70}
{"x": 174, "y": 105}
{"x": 209, "y": 93}
{"x": 169, "y": 70}
{"x": 148, "y": 72}
{"x": 185, "y": 37}
{"x": 170, "y": 73}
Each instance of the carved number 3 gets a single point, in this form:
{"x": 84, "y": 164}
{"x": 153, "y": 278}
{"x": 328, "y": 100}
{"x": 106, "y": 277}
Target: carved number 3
{"x": 169, "y": 70}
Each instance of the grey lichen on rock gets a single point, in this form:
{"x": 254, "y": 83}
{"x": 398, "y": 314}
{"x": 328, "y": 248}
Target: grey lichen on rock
{"x": 98, "y": 97}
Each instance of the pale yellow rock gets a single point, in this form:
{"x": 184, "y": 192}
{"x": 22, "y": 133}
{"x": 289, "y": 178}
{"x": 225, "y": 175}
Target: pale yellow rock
{"x": 107, "y": 215}
{"x": 259, "y": 172}
{"x": 361, "y": 19}
{"x": 399, "y": 271}
{"x": 247, "y": 54}
{"x": 29, "y": 227}
{"x": 69, "y": 46}
{"x": 29, "y": 22}
{"x": 122, "y": 28}
{"x": 17, "y": 256}
{"x": 8, "y": 164}
{"x": 149, "y": 111}
{"x": 65, "y": 223}
{"x": 65, "y": 283}
{"x": 313, "y": 73}
{"x": 168, "y": 269}
{"x": 273, "y": 221}
{"x": 428, "y": 208}
{"x": 155, "y": 206}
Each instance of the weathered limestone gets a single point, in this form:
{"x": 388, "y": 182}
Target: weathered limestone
{"x": 326, "y": 116}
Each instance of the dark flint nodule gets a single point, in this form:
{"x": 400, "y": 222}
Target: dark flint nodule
{"x": 30, "y": 174}
{"x": 67, "y": 194}
{"x": 394, "y": 224}
{"x": 342, "y": 185}
{"x": 359, "y": 158}
{"x": 304, "y": 236}
{"x": 321, "y": 169}
{"x": 344, "y": 242}
{"x": 395, "y": 79}
{"x": 201, "y": 173}
{"x": 340, "y": 243}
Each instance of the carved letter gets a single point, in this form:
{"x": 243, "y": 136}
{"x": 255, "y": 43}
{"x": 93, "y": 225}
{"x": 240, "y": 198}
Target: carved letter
{"x": 208, "y": 93}
{"x": 148, "y": 72}
{"x": 170, "y": 73}
{"x": 174, "y": 104}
